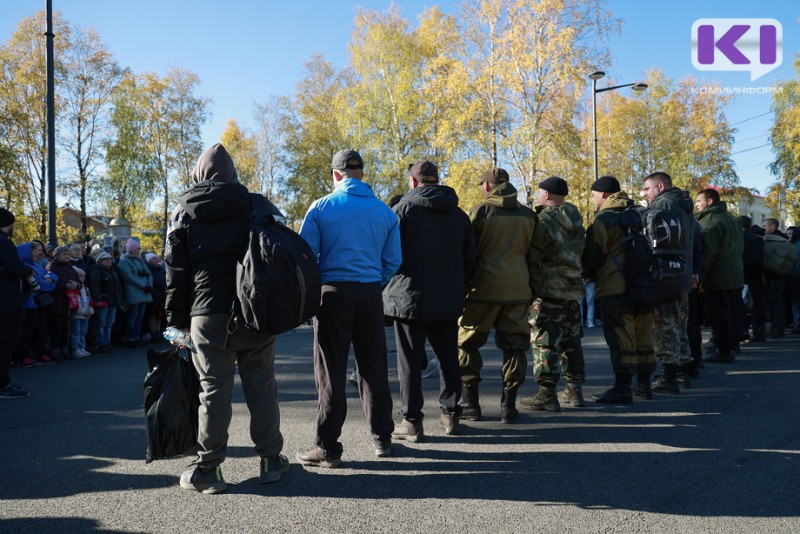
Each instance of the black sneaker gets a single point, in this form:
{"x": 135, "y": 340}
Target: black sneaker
{"x": 13, "y": 392}
{"x": 315, "y": 456}
{"x": 272, "y": 467}
{"x": 383, "y": 446}
{"x": 204, "y": 481}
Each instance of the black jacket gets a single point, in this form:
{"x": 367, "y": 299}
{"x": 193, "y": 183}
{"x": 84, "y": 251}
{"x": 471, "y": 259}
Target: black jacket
{"x": 438, "y": 254}
{"x": 203, "y": 240}
{"x": 14, "y": 288}
{"x": 105, "y": 285}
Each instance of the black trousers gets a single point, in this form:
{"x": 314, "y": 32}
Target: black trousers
{"x": 10, "y": 335}
{"x": 721, "y": 306}
{"x": 411, "y": 336}
{"x": 350, "y": 312}
{"x": 776, "y": 295}
{"x": 695, "y": 325}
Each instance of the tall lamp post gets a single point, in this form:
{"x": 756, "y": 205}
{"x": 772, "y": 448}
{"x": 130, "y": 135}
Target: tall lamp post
{"x": 637, "y": 87}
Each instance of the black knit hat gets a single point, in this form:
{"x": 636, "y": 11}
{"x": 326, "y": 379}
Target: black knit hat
{"x": 6, "y": 218}
{"x": 606, "y": 184}
{"x": 555, "y": 186}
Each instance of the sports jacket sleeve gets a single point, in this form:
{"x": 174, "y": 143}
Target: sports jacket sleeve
{"x": 178, "y": 302}
{"x": 392, "y": 255}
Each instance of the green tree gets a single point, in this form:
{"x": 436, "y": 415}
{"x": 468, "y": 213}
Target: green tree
{"x": 92, "y": 76}
{"x": 23, "y": 107}
{"x": 785, "y": 139}
{"x": 242, "y": 147}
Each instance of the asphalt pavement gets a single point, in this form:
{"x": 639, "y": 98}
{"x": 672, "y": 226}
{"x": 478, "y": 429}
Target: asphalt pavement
{"x": 723, "y": 456}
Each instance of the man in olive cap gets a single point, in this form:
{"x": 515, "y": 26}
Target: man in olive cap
{"x": 627, "y": 326}
{"x": 14, "y": 291}
{"x": 499, "y": 292}
{"x": 555, "y": 315}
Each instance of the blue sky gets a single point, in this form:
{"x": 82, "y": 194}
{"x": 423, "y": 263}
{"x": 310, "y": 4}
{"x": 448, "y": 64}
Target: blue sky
{"x": 246, "y": 50}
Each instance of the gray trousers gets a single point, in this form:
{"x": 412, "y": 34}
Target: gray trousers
{"x": 215, "y": 364}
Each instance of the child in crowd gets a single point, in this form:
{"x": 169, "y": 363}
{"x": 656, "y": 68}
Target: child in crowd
{"x": 79, "y": 321}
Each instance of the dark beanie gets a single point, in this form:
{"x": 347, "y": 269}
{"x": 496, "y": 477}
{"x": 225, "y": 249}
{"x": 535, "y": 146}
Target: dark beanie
{"x": 606, "y": 184}
{"x": 6, "y": 218}
{"x": 555, "y": 186}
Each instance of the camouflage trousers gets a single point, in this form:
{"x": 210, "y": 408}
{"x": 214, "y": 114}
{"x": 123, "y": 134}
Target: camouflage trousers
{"x": 628, "y": 329}
{"x": 510, "y": 322}
{"x": 670, "y": 338}
{"x": 556, "y": 341}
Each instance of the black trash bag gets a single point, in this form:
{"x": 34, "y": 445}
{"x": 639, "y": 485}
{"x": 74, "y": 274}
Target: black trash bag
{"x": 171, "y": 400}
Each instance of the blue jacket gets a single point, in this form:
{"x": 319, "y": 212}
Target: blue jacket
{"x": 354, "y": 235}
{"x": 47, "y": 281}
{"x": 135, "y": 276}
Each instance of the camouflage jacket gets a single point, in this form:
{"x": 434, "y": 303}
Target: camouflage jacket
{"x": 557, "y": 253}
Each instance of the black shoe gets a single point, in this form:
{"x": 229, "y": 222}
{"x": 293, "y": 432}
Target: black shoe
{"x": 615, "y": 395}
{"x": 272, "y": 468}
{"x": 383, "y": 446}
{"x": 720, "y": 358}
{"x": 643, "y": 391}
{"x": 666, "y": 386}
{"x": 204, "y": 481}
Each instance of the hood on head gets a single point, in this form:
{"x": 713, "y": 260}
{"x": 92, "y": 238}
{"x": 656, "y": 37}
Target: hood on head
{"x": 215, "y": 164}
{"x": 436, "y": 197}
{"x": 25, "y": 251}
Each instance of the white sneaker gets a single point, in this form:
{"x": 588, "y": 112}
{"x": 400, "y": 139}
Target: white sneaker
{"x": 589, "y": 325}
{"x": 432, "y": 369}
{"x": 80, "y": 353}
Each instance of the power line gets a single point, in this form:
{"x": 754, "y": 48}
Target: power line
{"x": 749, "y": 149}
{"x": 750, "y": 138}
{"x": 756, "y": 165}
{"x": 751, "y": 118}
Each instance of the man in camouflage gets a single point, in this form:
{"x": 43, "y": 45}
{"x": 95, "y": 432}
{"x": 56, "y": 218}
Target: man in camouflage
{"x": 670, "y": 320}
{"x": 627, "y": 326}
{"x": 555, "y": 317}
{"x": 499, "y": 292}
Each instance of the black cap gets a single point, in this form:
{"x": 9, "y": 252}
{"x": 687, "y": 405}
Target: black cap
{"x": 6, "y": 218}
{"x": 495, "y": 175}
{"x": 424, "y": 172}
{"x": 347, "y": 159}
{"x": 555, "y": 185}
{"x": 606, "y": 184}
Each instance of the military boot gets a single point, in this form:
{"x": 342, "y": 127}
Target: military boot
{"x": 667, "y": 383}
{"x": 572, "y": 394}
{"x": 469, "y": 403}
{"x": 642, "y": 389}
{"x": 684, "y": 375}
{"x": 544, "y": 400}
{"x": 508, "y": 408}
{"x": 621, "y": 393}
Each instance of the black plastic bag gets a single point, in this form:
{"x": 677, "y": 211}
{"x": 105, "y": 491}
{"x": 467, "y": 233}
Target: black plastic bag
{"x": 171, "y": 400}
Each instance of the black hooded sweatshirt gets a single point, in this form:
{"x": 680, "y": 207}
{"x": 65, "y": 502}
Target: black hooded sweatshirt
{"x": 203, "y": 240}
{"x": 438, "y": 253}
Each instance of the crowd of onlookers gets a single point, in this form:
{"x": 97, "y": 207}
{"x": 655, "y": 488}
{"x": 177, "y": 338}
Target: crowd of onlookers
{"x": 85, "y": 303}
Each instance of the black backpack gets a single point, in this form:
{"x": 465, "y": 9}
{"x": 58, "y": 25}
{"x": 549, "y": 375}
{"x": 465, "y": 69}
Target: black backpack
{"x": 654, "y": 259}
{"x": 277, "y": 276}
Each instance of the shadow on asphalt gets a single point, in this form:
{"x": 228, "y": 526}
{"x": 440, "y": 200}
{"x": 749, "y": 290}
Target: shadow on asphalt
{"x": 54, "y": 524}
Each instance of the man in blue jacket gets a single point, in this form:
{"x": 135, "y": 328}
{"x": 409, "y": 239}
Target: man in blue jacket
{"x": 356, "y": 240}
{"x": 14, "y": 291}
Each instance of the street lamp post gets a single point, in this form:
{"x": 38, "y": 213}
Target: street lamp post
{"x": 637, "y": 87}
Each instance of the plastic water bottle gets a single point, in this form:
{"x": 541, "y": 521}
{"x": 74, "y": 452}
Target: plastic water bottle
{"x": 183, "y": 338}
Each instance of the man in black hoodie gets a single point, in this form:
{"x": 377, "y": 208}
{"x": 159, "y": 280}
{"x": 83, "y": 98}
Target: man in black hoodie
{"x": 202, "y": 247}
{"x": 670, "y": 320}
{"x": 14, "y": 291}
{"x": 426, "y": 296}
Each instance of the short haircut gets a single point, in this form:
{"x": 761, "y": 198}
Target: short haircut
{"x": 713, "y": 194}
{"x": 661, "y": 177}
{"x": 351, "y": 173}
{"x": 772, "y": 222}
